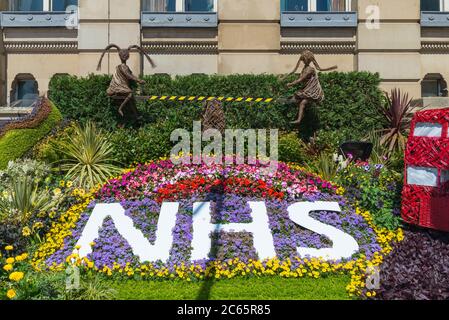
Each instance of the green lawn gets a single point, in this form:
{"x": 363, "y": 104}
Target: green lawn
{"x": 330, "y": 288}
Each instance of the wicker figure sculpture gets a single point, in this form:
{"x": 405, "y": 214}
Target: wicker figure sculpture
{"x": 312, "y": 91}
{"x": 120, "y": 86}
{"x": 213, "y": 116}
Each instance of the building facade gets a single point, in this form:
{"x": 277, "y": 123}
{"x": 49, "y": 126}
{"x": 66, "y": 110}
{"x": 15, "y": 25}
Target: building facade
{"x": 405, "y": 41}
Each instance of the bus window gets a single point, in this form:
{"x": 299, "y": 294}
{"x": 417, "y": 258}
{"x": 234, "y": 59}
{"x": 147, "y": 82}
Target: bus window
{"x": 425, "y": 129}
{"x": 444, "y": 176}
{"x": 422, "y": 176}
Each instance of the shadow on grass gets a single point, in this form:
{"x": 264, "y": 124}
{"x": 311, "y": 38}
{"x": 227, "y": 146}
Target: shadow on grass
{"x": 217, "y": 195}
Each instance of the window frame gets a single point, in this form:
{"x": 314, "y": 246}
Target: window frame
{"x": 444, "y": 6}
{"x": 46, "y": 7}
{"x": 313, "y": 4}
{"x": 180, "y": 6}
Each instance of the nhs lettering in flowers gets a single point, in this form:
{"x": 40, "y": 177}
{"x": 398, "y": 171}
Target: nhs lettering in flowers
{"x": 190, "y": 214}
{"x": 344, "y": 246}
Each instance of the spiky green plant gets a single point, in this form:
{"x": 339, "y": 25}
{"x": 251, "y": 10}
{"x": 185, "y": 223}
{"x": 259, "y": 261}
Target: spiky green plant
{"x": 325, "y": 166}
{"x": 397, "y": 111}
{"x": 88, "y": 159}
{"x": 25, "y": 198}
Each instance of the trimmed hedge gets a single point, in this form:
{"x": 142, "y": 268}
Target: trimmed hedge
{"x": 350, "y": 105}
{"x": 15, "y": 143}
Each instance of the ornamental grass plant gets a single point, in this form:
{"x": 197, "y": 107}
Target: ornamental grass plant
{"x": 23, "y": 191}
{"x": 87, "y": 156}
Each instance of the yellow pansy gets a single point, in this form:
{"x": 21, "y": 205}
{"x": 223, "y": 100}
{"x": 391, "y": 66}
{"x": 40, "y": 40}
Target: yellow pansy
{"x": 16, "y": 276}
{"x": 11, "y": 294}
{"x": 8, "y": 267}
{"x": 26, "y": 231}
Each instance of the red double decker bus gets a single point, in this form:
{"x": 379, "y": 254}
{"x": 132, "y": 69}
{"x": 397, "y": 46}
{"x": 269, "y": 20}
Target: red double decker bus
{"x": 425, "y": 197}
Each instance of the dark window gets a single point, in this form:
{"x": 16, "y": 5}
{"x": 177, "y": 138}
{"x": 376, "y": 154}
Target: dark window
{"x": 430, "y": 5}
{"x": 295, "y": 5}
{"x": 26, "y": 90}
{"x": 199, "y": 5}
{"x": 430, "y": 88}
{"x": 61, "y": 5}
{"x": 159, "y": 5}
{"x": 433, "y": 85}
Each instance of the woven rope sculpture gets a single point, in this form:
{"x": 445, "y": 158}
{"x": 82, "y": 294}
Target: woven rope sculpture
{"x": 423, "y": 205}
{"x": 311, "y": 91}
{"x": 120, "y": 86}
{"x": 213, "y": 116}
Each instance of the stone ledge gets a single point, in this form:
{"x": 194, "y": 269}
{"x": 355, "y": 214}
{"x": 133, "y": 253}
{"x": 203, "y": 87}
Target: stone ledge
{"x": 434, "y": 19}
{"x": 291, "y": 19}
{"x": 179, "y": 19}
{"x": 23, "y": 19}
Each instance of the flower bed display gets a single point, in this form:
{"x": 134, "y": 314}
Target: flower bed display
{"x": 229, "y": 189}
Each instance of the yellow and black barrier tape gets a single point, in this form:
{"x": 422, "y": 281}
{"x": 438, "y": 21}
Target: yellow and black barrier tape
{"x": 205, "y": 98}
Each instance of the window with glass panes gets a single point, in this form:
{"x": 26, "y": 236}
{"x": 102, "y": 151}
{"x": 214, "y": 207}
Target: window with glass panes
{"x": 434, "y": 5}
{"x": 179, "y": 5}
{"x": 316, "y": 5}
{"x": 41, "y": 5}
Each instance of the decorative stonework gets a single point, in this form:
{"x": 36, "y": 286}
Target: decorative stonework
{"x": 177, "y": 47}
{"x": 434, "y": 47}
{"x": 62, "y": 46}
{"x": 290, "y": 47}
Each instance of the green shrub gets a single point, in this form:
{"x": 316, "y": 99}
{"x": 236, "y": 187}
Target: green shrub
{"x": 44, "y": 150}
{"x": 290, "y": 149}
{"x": 351, "y": 104}
{"x": 15, "y": 143}
{"x": 150, "y": 142}
{"x": 330, "y": 141}
{"x": 84, "y": 99}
